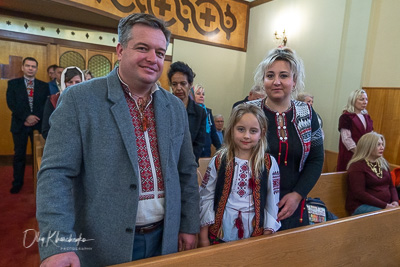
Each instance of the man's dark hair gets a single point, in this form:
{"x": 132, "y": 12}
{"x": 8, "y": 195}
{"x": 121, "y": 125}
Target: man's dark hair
{"x": 180, "y": 66}
{"x": 30, "y": 59}
{"x": 54, "y": 66}
{"x": 125, "y": 25}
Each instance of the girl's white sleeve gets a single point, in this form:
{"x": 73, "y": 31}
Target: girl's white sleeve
{"x": 271, "y": 207}
{"x": 207, "y": 191}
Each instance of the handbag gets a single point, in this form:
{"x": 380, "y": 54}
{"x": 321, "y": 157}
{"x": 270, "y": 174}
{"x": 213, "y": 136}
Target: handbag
{"x": 313, "y": 210}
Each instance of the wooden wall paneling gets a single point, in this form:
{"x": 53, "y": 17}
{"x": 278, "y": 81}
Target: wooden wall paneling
{"x": 87, "y": 58}
{"x": 51, "y": 55}
{"x": 107, "y": 54}
{"x": 19, "y": 49}
{"x": 376, "y": 100}
{"x": 384, "y": 109}
{"x": 63, "y": 49}
{"x": 391, "y": 125}
{"x": 164, "y": 78}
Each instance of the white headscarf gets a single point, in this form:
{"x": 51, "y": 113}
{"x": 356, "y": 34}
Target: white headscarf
{"x": 63, "y": 77}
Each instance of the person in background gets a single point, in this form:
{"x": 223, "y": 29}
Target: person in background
{"x": 353, "y": 123}
{"x": 211, "y": 132}
{"x": 256, "y": 92}
{"x": 219, "y": 126}
{"x": 180, "y": 77}
{"x": 294, "y": 136}
{"x": 51, "y": 72}
{"x": 70, "y": 76}
{"x": 370, "y": 186}
{"x": 88, "y": 75}
{"x": 118, "y": 168}
{"x": 26, "y": 97}
{"x": 309, "y": 99}
{"x": 55, "y": 85}
{"x": 250, "y": 206}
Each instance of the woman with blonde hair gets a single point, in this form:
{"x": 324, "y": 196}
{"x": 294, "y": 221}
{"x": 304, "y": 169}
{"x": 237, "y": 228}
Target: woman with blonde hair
{"x": 353, "y": 123}
{"x": 294, "y": 135}
{"x": 198, "y": 93}
{"x": 370, "y": 186}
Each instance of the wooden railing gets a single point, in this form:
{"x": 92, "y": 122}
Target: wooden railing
{"x": 38, "y": 146}
{"x": 370, "y": 239}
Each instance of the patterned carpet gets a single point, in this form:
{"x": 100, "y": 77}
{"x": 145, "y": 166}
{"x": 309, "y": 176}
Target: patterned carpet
{"x": 17, "y": 214}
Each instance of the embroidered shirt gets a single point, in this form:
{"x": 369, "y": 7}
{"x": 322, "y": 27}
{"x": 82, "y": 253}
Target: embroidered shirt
{"x": 240, "y": 199}
{"x": 151, "y": 186}
{"x": 30, "y": 84}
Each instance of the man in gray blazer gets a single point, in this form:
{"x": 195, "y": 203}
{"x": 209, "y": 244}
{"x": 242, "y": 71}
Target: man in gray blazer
{"x": 118, "y": 176}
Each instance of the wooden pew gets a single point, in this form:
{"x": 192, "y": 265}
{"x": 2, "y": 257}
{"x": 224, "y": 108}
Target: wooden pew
{"x": 330, "y": 161}
{"x": 38, "y": 146}
{"x": 370, "y": 239}
{"x": 331, "y": 188}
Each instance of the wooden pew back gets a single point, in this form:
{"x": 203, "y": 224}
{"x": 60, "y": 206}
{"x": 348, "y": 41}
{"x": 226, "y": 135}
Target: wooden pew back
{"x": 38, "y": 146}
{"x": 330, "y": 161}
{"x": 370, "y": 239}
{"x": 331, "y": 188}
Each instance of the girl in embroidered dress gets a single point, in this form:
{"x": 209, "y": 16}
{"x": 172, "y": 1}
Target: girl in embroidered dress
{"x": 239, "y": 193}
{"x": 370, "y": 186}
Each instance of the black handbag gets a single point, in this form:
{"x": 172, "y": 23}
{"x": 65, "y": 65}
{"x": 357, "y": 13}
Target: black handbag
{"x": 313, "y": 210}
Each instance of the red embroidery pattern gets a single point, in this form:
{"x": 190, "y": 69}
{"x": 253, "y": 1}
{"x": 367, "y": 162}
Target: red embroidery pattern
{"x": 243, "y": 179}
{"x": 276, "y": 180}
{"x": 206, "y": 178}
{"x": 145, "y": 168}
{"x": 214, "y": 229}
{"x": 146, "y": 197}
{"x": 29, "y": 88}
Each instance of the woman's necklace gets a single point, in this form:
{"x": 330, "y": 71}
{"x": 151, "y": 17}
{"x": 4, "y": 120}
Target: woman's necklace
{"x": 375, "y": 167}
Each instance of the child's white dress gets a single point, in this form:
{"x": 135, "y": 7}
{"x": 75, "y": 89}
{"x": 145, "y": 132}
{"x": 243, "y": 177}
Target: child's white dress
{"x": 240, "y": 199}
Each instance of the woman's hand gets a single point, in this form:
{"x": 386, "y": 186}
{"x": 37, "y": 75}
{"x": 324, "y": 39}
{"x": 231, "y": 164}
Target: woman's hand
{"x": 288, "y": 205}
{"x": 390, "y": 206}
{"x": 395, "y": 203}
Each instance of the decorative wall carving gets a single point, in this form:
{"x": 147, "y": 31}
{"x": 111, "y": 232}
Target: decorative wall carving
{"x": 222, "y": 22}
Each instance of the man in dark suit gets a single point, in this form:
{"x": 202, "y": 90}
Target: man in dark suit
{"x": 26, "y": 97}
{"x": 256, "y": 92}
{"x": 219, "y": 126}
{"x": 55, "y": 84}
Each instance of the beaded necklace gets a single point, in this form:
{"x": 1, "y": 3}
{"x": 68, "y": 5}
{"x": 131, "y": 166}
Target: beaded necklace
{"x": 375, "y": 167}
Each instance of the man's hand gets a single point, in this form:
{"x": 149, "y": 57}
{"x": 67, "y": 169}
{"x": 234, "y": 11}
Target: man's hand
{"x": 186, "y": 241}
{"x": 288, "y": 205}
{"x": 31, "y": 120}
{"x": 62, "y": 260}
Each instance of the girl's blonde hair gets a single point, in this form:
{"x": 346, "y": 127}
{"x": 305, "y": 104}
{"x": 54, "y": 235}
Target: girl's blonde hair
{"x": 257, "y": 155}
{"x": 366, "y": 146}
{"x": 352, "y": 100}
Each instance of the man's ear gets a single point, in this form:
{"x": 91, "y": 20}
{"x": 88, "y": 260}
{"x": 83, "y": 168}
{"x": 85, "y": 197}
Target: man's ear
{"x": 119, "y": 50}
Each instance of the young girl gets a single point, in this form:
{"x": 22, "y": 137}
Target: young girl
{"x": 239, "y": 193}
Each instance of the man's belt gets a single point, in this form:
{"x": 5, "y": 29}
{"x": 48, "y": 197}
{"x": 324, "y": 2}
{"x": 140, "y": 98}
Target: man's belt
{"x": 148, "y": 228}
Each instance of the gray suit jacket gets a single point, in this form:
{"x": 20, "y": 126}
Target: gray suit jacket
{"x": 89, "y": 179}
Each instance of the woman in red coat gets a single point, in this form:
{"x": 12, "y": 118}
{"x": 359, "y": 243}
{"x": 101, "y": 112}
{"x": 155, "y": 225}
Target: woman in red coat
{"x": 353, "y": 123}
